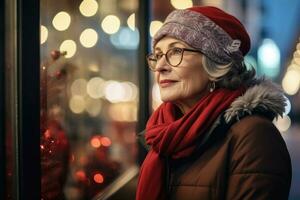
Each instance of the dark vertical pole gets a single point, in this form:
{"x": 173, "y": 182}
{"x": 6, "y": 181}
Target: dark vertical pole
{"x": 143, "y": 26}
{"x": 28, "y": 62}
{"x": 2, "y": 96}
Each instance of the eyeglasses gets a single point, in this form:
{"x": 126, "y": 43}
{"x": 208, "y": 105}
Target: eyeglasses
{"x": 173, "y": 57}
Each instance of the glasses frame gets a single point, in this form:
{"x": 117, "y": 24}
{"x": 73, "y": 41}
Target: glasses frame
{"x": 150, "y": 59}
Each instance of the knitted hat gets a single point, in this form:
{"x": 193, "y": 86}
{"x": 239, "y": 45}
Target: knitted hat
{"x": 217, "y": 34}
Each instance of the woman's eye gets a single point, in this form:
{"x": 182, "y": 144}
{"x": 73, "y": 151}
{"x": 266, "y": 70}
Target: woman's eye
{"x": 175, "y": 52}
{"x": 158, "y": 56}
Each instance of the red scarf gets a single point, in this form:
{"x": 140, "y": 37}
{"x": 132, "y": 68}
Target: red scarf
{"x": 176, "y": 138}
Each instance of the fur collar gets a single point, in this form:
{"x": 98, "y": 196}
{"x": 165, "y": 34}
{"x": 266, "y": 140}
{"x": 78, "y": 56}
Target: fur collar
{"x": 263, "y": 97}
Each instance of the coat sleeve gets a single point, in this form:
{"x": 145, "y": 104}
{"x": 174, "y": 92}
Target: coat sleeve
{"x": 260, "y": 165}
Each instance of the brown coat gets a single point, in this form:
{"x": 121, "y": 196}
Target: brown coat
{"x": 250, "y": 162}
{"x": 243, "y": 157}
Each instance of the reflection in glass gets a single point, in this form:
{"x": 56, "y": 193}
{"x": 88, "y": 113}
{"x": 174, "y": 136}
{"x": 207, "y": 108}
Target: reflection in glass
{"x": 90, "y": 96}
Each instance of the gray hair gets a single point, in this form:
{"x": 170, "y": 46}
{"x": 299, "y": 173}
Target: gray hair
{"x": 231, "y": 75}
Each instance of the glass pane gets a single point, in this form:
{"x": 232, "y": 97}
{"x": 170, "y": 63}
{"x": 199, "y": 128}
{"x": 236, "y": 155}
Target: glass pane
{"x": 89, "y": 95}
{"x": 10, "y": 122}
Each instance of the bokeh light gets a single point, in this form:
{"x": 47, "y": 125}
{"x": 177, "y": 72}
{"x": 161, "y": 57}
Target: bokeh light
{"x": 95, "y": 87}
{"x": 131, "y": 21}
{"x": 288, "y": 106}
{"x": 77, "y": 104}
{"x": 269, "y": 58}
{"x": 61, "y": 21}
{"x": 70, "y": 47}
{"x": 88, "y": 38}
{"x": 154, "y": 27}
{"x": 93, "y": 106}
{"x": 80, "y": 175}
{"x": 283, "y": 123}
{"x": 105, "y": 141}
{"x": 291, "y": 81}
{"x": 98, "y": 178}
{"x": 114, "y": 91}
{"x": 95, "y": 142}
{"x": 79, "y": 87}
{"x": 44, "y": 34}
{"x": 93, "y": 67}
{"x": 123, "y": 112}
{"x": 180, "y": 4}
{"x": 125, "y": 38}
{"x": 88, "y": 8}
{"x": 110, "y": 24}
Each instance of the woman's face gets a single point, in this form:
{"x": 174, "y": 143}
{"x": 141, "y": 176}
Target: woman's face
{"x": 184, "y": 84}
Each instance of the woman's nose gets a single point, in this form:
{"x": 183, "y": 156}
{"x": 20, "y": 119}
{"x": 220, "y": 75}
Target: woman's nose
{"x": 162, "y": 65}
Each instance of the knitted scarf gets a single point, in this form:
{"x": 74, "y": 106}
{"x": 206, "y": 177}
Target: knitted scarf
{"x": 176, "y": 138}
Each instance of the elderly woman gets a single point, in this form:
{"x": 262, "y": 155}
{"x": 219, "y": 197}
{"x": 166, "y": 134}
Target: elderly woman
{"x": 213, "y": 136}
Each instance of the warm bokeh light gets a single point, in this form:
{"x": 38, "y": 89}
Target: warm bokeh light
{"x": 95, "y": 142}
{"x": 93, "y": 106}
{"x": 98, "y": 178}
{"x": 93, "y": 67}
{"x": 44, "y": 34}
{"x": 291, "y": 81}
{"x": 110, "y": 24}
{"x": 79, "y": 87}
{"x": 88, "y": 8}
{"x": 130, "y": 91}
{"x": 123, "y": 112}
{"x": 181, "y": 4}
{"x": 95, "y": 87}
{"x": 131, "y": 21}
{"x": 105, "y": 141}
{"x": 70, "y": 47}
{"x": 61, "y": 21}
{"x": 283, "y": 123}
{"x": 80, "y": 175}
{"x": 77, "y": 104}
{"x": 154, "y": 27}
{"x": 114, "y": 91}
{"x": 88, "y": 38}
{"x": 156, "y": 98}
{"x": 216, "y": 3}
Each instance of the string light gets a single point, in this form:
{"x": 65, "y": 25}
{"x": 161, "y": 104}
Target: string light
{"x": 131, "y": 21}
{"x": 61, "y": 21}
{"x": 88, "y": 8}
{"x": 44, "y": 34}
{"x": 154, "y": 27}
{"x": 88, "y": 38}
{"x": 110, "y": 24}
{"x": 180, "y": 4}
{"x": 70, "y": 47}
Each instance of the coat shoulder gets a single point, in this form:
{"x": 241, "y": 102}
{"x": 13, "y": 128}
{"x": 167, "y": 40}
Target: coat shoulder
{"x": 258, "y": 147}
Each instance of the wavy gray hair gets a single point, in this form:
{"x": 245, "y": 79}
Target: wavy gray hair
{"x": 229, "y": 76}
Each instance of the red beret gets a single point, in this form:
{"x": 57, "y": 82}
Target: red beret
{"x": 217, "y": 34}
{"x": 228, "y": 23}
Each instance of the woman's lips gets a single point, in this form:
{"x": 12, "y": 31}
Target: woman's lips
{"x": 166, "y": 83}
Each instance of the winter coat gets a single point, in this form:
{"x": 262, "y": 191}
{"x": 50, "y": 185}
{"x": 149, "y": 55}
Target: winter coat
{"x": 242, "y": 157}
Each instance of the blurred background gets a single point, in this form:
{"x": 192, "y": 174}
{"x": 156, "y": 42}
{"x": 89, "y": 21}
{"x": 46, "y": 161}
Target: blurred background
{"x": 94, "y": 86}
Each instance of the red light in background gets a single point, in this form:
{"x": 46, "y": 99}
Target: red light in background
{"x": 80, "y": 175}
{"x": 105, "y": 141}
{"x": 95, "y": 142}
{"x": 98, "y": 178}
